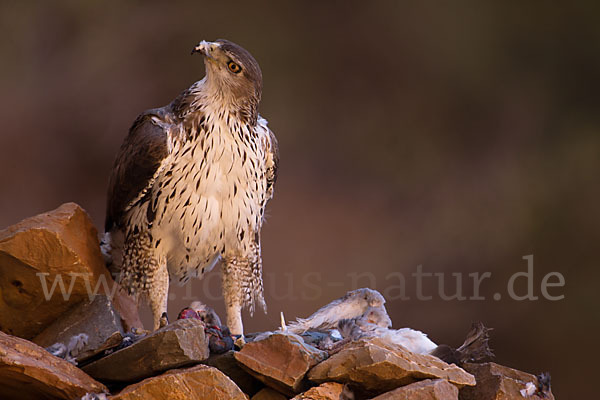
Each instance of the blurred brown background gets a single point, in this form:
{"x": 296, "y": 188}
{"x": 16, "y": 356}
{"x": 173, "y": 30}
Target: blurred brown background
{"x": 456, "y": 137}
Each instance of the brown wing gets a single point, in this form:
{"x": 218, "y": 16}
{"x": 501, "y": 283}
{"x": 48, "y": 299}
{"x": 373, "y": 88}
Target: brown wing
{"x": 272, "y": 162}
{"x": 138, "y": 160}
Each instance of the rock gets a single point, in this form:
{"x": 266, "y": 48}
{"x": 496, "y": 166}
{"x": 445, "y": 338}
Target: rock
{"x": 27, "y": 371}
{"x": 127, "y": 308}
{"x": 280, "y": 361}
{"x": 179, "y": 344}
{"x": 498, "y": 382}
{"x": 268, "y": 394}
{"x": 325, "y": 391}
{"x": 97, "y": 319}
{"x": 197, "y": 383}
{"x": 377, "y": 366}
{"x": 227, "y": 364}
{"x": 428, "y": 389}
{"x": 41, "y": 255}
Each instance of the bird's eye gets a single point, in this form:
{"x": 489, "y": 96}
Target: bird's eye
{"x": 233, "y": 67}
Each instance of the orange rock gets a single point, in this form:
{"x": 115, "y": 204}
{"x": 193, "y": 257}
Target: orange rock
{"x": 40, "y": 258}
{"x": 127, "y": 308}
{"x": 495, "y": 382}
{"x": 97, "y": 319}
{"x": 428, "y": 389}
{"x": 325, "y": 391}
{"x": 227, "y": 364}
{"x": 198, "y": 383}
{"x": 27, "y": 371}
{"x": 378, "y": 366}
{"x": 280, "y": 361}
{"x": 268, "y": 394}
{"x": 179, "y": 344}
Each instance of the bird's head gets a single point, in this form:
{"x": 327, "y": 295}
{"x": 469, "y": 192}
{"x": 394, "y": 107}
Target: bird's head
{"x": 232, "y": 73}
{"x": 377, "y": 316}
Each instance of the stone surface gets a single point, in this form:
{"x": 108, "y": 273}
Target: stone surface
{"x": 197, "y": 383}
{"x": 495, "y": 382}
{"x": 227, "y": 364}
{"x": 27, "y": 371}
{"x": 62, "y": 243}
{"x": 280, "y": 361}
{"x": 127, "y": 308}
{"x": 325, "y": 391}
{"x": 377, "y": 366}
{"x": 428, "y": 389}
{"x": 268, "y": 394}
{"x": 179, "y": 344}
{"x": 97, "y": 319}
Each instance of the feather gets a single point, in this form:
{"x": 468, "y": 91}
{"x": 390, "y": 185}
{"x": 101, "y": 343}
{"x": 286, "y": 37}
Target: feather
{"x": 352, "y": 305}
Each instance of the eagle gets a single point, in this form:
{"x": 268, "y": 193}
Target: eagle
{"x": 189, "y": 187}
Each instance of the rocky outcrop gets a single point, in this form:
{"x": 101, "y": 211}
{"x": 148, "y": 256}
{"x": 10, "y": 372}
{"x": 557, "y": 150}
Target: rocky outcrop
{"x": 227, "y": 364}
{"x": 428, "y": 389}
{"x": 280, "y": 361}
{"x": 268, "y": 394}
{"x": 496, "y": 382}
{"x": 127, "y": 308}
{"x": 325, "y": 391}
{"x": 27, "y": 371}
{"x": 51, "y": 268}
{"x": 178, "y": 344}
{"x": 97, "y": 319}
{"x": 197, "y": 383}
{"x": 378, "y": 366}
{"x": 48, "y": 264}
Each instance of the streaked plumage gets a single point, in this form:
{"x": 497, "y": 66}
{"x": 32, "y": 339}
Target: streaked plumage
{"x": 190, "y": 185}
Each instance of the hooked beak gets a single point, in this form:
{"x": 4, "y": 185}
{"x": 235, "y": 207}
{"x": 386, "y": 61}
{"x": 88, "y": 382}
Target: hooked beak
{"x": 205, "y": 48}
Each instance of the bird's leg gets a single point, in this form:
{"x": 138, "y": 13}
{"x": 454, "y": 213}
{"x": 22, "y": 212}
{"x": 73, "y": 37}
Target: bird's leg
{"x": 159, "y": 295}
{"x": 242, "y": 286}
{"x": 145, "y": 275}
{"x": 232, "y": 293}
{"x": 234, "y": 318}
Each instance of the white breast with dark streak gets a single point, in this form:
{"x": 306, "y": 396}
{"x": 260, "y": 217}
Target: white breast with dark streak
{"x": 210, "y": 197}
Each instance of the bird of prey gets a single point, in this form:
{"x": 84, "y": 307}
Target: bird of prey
{"x": 189, "y": 187}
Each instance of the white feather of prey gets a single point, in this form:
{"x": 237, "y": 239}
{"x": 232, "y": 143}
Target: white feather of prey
{"x": 283, "y": 325}
{"x": 375, "y": 322}
{"x": 361, "y": 314}
{"x": 414, "y": 341}
{"x": 352, "y": 305}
